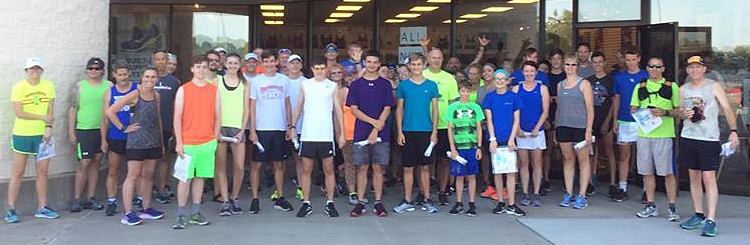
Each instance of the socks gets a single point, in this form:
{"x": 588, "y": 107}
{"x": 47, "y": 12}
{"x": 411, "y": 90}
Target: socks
{"x": 196, "y": 208}
{"x": 651, "y": 204}
{"x": 112, "y": 200}
{"x": 624, "y": 186}
{"x": 329, "y": 201}
{"x": 180, "y": 210}
{"x": 308, "y": 202}
{"x": 700, "y": 215}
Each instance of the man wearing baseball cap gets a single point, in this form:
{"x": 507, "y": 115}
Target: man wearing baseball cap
{"x": 251, "y": 66}
{"x": 331, "y": 53}
{"x": 33, "y": 100}
{"x": 296, "y": 77}
{"x": 223, "y": 56}
{"x": 84, "y": 120}
{"x": 700, "y": 144}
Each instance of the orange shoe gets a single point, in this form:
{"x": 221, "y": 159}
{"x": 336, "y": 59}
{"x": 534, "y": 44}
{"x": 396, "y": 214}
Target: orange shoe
{"x": 494, "y": 197}
{"x": 488, "y": 192}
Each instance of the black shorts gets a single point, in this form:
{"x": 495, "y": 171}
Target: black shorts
{"x": 597, "y": 129}
{"x": 143, "y": 154}
{"x": 412, "y": 153}
{"x": 89, "y": 143}
{"x": 443, "y": 146}
{"x": 168, "y": 141}
{"x": 568, "y": 134}
{"x": 316, "y": 150}
{"x": 700, "y": 154}
{"x": 275, "y": 146}
{"x": 117, "y": 146}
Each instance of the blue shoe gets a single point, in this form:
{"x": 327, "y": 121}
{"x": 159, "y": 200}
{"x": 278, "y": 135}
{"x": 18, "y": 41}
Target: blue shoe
{"x": 694, "y": 222}
{"x": 151, "y": 213}
{"x": 709, "y": 229}
{"x": 46, "y": 213}
{"x": 11, "y": 216}
{"x": 131, "y": 218}
{"x": 580, "y": 202}
{"x": 565, "y": 201}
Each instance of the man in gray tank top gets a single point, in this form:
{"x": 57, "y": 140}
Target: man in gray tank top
{"x": 700, "y": 144}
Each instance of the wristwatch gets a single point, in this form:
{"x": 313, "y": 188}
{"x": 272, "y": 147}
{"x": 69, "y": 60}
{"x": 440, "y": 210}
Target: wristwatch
{"x": 493, "y": 139}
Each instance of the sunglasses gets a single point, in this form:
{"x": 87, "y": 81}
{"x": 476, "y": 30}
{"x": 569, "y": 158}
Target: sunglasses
{"x": 336, "y": 72}
{"x": 213, "y": 60}
{"x": 94, "y": 68}
{"x": 654, "y": 66}
{"x": 571, "y": 64}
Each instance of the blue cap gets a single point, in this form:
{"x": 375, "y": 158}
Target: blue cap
{"x": 249, "y": 56}
{"x": 331, "y": 47}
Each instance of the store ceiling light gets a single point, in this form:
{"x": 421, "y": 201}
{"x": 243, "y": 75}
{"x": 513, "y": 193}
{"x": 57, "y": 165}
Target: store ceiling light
{"x": 458, "y": 21}
{"x": 408, "y": 16}
{"x": 271, "y": 7}
{"x": 472, "y": 16}
{"x": 523, "y": 1}
{"x": 357, "y": 1}
{"x": 395, "y": 21}
{"x": 438, "y": 1}
{"x": 423, "y": 8}
{"x": 273, "y": 22}
{"x": 341, "y": 15}
{"x": 497, "y": 9}
{"x": 272, "y": 14}
{"x": 333, "y": 20}
{"x": 348, "y": 8}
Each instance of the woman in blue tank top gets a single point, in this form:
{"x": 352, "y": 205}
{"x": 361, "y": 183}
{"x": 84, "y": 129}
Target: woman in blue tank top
{"x": 535, "y": 99}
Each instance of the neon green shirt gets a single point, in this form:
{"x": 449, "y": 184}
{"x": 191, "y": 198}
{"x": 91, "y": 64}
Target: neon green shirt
{"x": 666, "y": 129}
{"x": 448, "y": 90}
{"x": 34, "y": 100}
{"x": 232, "y": 105}
{"x": 89, "y": 101}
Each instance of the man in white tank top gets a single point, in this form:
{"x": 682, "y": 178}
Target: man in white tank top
{"x": 320, "y": 108}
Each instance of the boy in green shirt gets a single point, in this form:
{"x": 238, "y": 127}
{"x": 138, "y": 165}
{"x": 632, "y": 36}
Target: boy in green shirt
{"x": 465, "y": 136}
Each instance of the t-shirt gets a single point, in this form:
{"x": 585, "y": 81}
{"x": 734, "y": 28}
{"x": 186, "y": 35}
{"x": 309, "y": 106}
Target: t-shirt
{"x": 624, "y": 84}
{"x": 517, "y": 77}
{"x": 464, "y": 117}
{"x": 34, "y": 100}
{"x": 167, "y": 88}
{"x": 602, "y": 88}
{"x": 88, "y": 98}
{"x": 666, "y": 129}
{"x": 586, "y": 71}
{"x": 270, "y": 95}
{"x": 294, "y": 99}
{"x": 554, "y": 79}
{"x": 371, "y": 97}
{"x": 417, "y": 102}
{"x": 448, "y": 89}
{"x": 502, "y": 107}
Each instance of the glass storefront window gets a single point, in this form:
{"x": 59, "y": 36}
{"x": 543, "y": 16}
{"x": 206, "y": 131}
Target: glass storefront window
{"x": 283, "y": 27}
{"x": 342, "y": 27}
{"x": 608, "y": 10}
{"x": 139, "y": 31}
{"x": 400, "y": 39}
{"x": 559, "y": 25}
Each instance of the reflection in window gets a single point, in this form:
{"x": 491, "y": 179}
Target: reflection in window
{"x": 341, "y": 27}
{"x": 608, "y": 10}
{"x": 400, "y": 39}
{"x": 283, "y": 26}
{"x": 214, "y": 29}
{"x": 559, "y": 25}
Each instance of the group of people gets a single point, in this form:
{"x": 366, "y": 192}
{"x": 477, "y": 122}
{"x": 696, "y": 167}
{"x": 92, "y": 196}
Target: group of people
{"x": 478, "y": 126}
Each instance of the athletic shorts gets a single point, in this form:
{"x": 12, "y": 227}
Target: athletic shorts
{"x": 316, "y": 150}
{"x": 597, "y": 129}
{"x": 143, "y": 154}
{"x": 168, "y": 141}
{"x": 231, "y": 132}
{"x": 442, "y": 146}
{"x": 202, "y": 159}
{"x": 532, "y": 143}
{"x": 570, "y": 135}
{"x": 26, "y": 144}
{"x": 380, "y": 153}
{"x": 470, "y": 168}
{"x": 89, "y": 143}
{"x": 275, "y": 146}
{"x": 412, "y": 153}
{"x": 627, "y": 132}
{"x": 117, "y": 146}
{"x": 654, "y": 156}
{"x": 700, "y": 154}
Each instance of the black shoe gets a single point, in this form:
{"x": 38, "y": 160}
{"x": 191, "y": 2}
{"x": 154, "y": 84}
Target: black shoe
{"x": 499, "y": 209}
{"x": 619, "y": 196}
{"x": 162, "y": 198}
{"x": 340, "y": 190}
{"x": 137, "y": 204}
{"x": 305, "y": 210}
{"x": 590, "y": 190}
{"x": 515, "y": 210}
{"x": 442, "y": 199}
{"x": 457, "y": 208}
{"x": 217, "y": 198}
{"x": 254, "y": 207}
{"x": 139, "y": 39}
{"x": 225, "y": 209}
{"x": 472, "y": 210}
{"x": 420, "y": 200}
{"x": 379, "y": 209}
{"x": 111, "y": 208}
{"x": 612, "y": 191}
{"x": 93, "y": 204}
{"x": 330, "y": 210}
{"x": 546, "y": 186}
{"x": 282, "y": 204}
{"x": 451, "y": 190}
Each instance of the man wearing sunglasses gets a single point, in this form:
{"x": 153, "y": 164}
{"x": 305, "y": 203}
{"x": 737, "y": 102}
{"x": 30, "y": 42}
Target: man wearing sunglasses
{"x": 84, "y": 120}
{"x": 214, "y": 60}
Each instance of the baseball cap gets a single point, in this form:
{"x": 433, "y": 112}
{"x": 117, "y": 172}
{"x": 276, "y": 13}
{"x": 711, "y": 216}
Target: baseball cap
{"x": 220, "y": 49}
{"x": 33, "y": 61}
{"x": 331, "y": 48}
{"x": 696, "y": 59}
{"x": 171, "y": 56}
{"x": 249, "y": 56}
{"x": 95, "y": 62}
{"x": 284, "y": 51}
{"x": 295, "y": 57}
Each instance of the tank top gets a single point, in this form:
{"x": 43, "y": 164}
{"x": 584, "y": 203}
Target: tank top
{"x": 532, "y": 107}
{"x": 146, "y": 114}
{"x": 89, "y": 114}
{"x": 232, "y": 104}
{"x": 701, "y": 99}
{"x": 123, "y": 115}
{"x": 571, "y": 108}
{"x": 318, "y": 110}
{"x": 198, "y": 113}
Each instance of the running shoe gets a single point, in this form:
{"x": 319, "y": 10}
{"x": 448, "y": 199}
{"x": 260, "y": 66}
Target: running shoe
{"x": 380, "y": 209}
{"x": 472, "y": 210}
{"x": 499, "y": 209}
{"x": 404, "y": 207}
{"x": 180, "y": 222}
{"x": 11, "y": 216}
{"x": 131, "y": 219}
{"x": 709, "y": 229}
{"x": 420, "y": 200}
{"x": 298, "y": 194}
{"x": 494, "y": 197}
{"x": 75, "y": 206}
{"x": 236, "y": 207}
{"x": 429, "y": 207}
{"x": 358, "y": 210}
{"x": 353, "y": 198}
{"x": 457, "y": 208}
{"x": 323, "y": 191}
{"x": 330, "y": 210}
{"x": 672, "y": 215}
{"x": 305, "y": 210}
{"x": 275, "y": 195}
{"x": 198, "y": 219}
{"x": 694, "y": 222}
{"x": 648, "y": 211}
{"x": 217, "y": 198}
{"x": 111, "y": 208}
{"x": 536, "y": 201}
{"x": 254, "y": 207}
{"x": 525, "y": 200}
{"x": 442, "y": 199}
{"x": 162, "y": 198}
{"x": 488, "y": 192}
{"x": 138, "y": 203}
{"x": 225, "y": 209}
{"x": 451, "y": 190}
{"x": 515, "y": 210}
{"x": 590, "y": 190}
{"x": 581, "y": 202}
{"x": 545, "y": 188}
{"x": 151, "y": 213}
{"x": 46, "y": 213}
{"x": 283, "y": 204}
{"x": 93, "y": 204}
{"x": 168, "y": 191}
{"x": 612, "y": 191}
{"x": 565, "y": 201}
{"x": 620, "y": 195}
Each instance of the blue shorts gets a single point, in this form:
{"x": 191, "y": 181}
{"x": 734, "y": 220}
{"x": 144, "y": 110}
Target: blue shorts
{"x": 26, "y": 144}
{"x": 471, "y": 167}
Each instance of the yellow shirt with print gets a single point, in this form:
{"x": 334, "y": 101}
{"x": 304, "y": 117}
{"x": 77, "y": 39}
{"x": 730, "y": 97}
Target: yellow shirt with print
{"x": 34, "y": 100}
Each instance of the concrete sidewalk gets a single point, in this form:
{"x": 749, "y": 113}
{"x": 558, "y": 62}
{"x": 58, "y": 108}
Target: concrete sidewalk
{"x": 603, "y": 222}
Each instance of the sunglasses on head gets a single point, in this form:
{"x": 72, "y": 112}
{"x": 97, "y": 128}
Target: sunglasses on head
{"x": 94, "y": 68}
{"x": 654, "y": 66}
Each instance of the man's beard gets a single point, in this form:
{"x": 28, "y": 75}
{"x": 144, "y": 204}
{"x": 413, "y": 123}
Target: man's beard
{"x": 213, "y": 69}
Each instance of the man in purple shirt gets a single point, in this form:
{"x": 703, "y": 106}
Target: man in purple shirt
{"x": 370, "y": 98}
